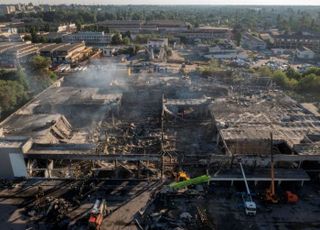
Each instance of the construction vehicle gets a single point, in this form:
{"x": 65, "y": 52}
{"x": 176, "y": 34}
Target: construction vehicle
{"x": 191, "y": 181}
{"x": 291, "y": 197}
{"x": 250, "y": 206}
{"x": 270, "y": 195}
{"x": 97, "y": 214}
{"x": 182, "y": 176}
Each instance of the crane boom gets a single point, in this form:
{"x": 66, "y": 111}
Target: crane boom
{"x": 245, "y": 180}
{"x": 272, "y": 164}
{"x": 249, "y": 204}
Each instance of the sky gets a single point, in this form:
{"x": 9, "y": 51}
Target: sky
{"x": 171, "y": 2}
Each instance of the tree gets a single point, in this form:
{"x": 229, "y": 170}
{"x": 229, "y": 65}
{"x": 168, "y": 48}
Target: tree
{"x": 27, "y": 37}
{"x": 281, "y": 79}
{"x": 237, "y": 37}
{"x": 46, "y": 27}
{"x": 293, "y": 74}
{"x": 126, "y": 34}
{"x": 34, "y": 35}
{"x": 309, "y": 83}
{"x": 12, "y": 94}
{"x": 126, "y": 41}
{"x": 40, "y": 63}
{"x": 116, "y": 39}
{"x": 169, "y": 52}
{"x": 264, "y": 71}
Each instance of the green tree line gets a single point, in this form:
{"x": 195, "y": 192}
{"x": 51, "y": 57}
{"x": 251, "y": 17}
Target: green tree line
{"x": 18, "y": 86}
{"x": 290, "y": 79}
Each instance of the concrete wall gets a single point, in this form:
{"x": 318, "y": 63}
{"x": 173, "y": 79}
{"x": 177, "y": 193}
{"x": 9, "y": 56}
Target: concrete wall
{"x": 12, "y": 163}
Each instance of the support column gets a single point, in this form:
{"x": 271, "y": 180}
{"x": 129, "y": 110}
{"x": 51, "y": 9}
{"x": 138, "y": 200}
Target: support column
{"x": 70, "y": 172}
{"x": 162, "y": 117}
{"x": 162, "y": 167}
{"x": 139, "y": 165}
{"x": 218, "y": 139}
{"x": 116, "y": 168}
{"x": 30, "y": 164}
{"x": 48, "y": 172}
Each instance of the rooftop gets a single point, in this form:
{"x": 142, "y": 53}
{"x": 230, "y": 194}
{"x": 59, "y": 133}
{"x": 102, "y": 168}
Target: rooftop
{"x": 13, "y": 142}
{"x": 67, "y": 114}
{"x": 52, "y": 46}
{"x": 303, "y": 49}
{"x": 69, "y": 47}
{"x": 253, "y": 117}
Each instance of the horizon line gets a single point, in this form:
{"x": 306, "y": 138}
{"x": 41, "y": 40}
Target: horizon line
{"x": 138, "y": 4}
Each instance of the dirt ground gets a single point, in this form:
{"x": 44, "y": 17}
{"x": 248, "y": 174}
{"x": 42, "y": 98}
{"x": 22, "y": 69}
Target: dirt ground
{"x": 228, "y": 212}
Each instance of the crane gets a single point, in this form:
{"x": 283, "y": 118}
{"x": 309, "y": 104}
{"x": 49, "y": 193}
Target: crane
{"x": 270, "y": 192}
{"x": 250, "y": 206}
{"x": 271, "y": 195}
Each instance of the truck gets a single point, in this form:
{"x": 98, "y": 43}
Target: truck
{"x": 250, "y": 206}
{"x": 97, "y": 214}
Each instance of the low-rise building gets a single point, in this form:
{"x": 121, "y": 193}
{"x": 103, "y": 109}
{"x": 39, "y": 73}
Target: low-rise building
{"x": 297, "y": 40}
{"x": 9, "y": 33}
{"x": 225, "y": 50}
{"x": 168, "y": 26}
{"x": 146, "y": 28}
{"x": 13, "y": 54}
{"x": 157, "y": 43}
{"x": 122, "y": 26}
{"x": 110, "y": 50}
{"x": 90, "y": 38}
{"x": 71, "y": 27}
{"x": 304, "y": 53}
{"x": 66, "y": 52}
{"x": 7, "y": 28}
{"x": 252, "y": 42}
{"x": 279, "y": 51}
{"x": 9, "y": 37}
{"x": 206, "y": 33}
{"x": 7, "y": 9}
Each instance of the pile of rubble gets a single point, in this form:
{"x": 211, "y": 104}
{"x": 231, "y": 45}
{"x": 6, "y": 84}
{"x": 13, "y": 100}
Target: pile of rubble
{"x": 176, "y": 212}
{"x": 130, "y": 138}
{"x": 51, "y": 209}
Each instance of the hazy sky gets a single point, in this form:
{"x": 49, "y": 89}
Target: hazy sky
{"x": 167, "y": 2}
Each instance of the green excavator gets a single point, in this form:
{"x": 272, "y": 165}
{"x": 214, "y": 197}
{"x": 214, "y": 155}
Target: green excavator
{"x": 189, "y": 181}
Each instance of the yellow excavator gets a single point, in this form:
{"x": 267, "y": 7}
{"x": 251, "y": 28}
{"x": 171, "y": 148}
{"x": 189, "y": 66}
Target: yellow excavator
{"x": 182, "y": 176}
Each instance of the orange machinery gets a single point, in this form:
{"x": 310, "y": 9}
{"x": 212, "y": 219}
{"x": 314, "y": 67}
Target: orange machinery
{"x": 97, "y": 214}
{"x": 271, "y": 195}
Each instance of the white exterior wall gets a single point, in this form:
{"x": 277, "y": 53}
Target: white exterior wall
{"x": 306, "y": 54}
{"x": 158, "y": 43}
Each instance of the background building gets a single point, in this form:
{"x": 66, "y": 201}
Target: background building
{"x": 66, "y": 52}
{"x": 297, "y": 40}
{"x": 206, "y": 33}
{"x": 90, "y": 38}
{"x": 17, "y": 53}
{"x": 305, "y": 53}
{"x": 157, "y": 43}
{"x": 252, "y": 42}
